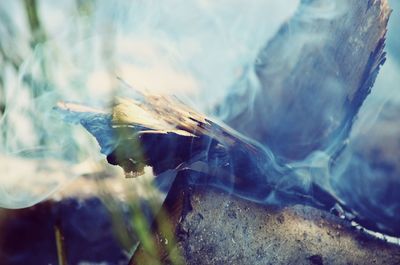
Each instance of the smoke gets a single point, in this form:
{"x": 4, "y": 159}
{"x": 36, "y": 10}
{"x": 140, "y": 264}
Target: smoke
{"x": 193, "y": 49}
{"x": 38, "y": 152}
{"x": 263, "y": 67}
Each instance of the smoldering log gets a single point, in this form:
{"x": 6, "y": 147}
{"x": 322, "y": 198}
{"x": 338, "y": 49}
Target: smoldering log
{"x": 209, "y": 145}
{"x": 205, "y": 153}
{"x": 136, "y": 133}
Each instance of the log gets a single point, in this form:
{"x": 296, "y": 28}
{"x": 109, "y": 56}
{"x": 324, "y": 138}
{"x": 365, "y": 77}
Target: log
{"x": 314, "y": 76}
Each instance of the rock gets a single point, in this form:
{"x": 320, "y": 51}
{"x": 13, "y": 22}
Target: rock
{"x": 214, "y": 227}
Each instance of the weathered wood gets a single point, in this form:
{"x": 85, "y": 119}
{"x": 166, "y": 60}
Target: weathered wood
{"x": 314, "y": 76}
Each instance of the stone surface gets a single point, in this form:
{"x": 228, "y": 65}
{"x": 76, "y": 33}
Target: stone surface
{"x": 213, "y": 227}
{"x": 221, "y": 229}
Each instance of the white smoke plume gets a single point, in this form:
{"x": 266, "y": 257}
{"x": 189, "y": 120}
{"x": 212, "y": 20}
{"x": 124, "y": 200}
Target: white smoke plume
{"x": 194, "y": 49}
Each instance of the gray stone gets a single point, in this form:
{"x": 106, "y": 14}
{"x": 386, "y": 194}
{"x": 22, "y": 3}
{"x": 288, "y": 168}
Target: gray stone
{"x": 221, "y": 229}
{"x": 213, "y": 227}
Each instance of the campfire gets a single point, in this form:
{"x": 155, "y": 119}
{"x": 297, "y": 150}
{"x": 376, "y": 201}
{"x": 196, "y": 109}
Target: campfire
{"x": 275, "y": 167}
